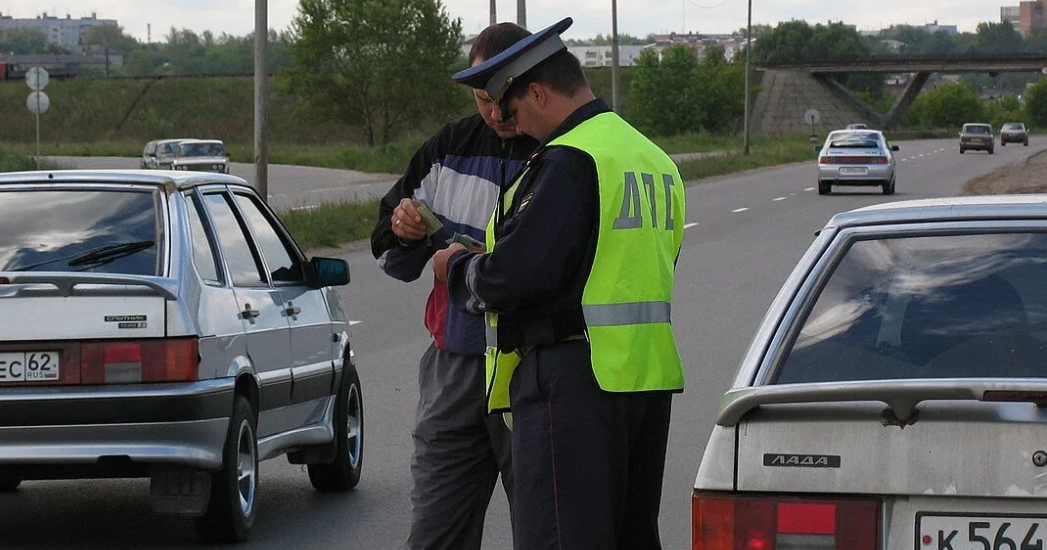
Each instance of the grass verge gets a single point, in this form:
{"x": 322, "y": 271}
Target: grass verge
{"x": 761, "y": 154}
{"x": 331, "y": 224}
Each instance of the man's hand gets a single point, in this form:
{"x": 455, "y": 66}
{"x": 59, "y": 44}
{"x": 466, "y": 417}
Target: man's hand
{"x": 441, "y": 258}
{"x": 407, "y": 223}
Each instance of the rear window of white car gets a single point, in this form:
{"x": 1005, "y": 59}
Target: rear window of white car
{"x": 101, "y": 231}
{"x": 950, "y": 306}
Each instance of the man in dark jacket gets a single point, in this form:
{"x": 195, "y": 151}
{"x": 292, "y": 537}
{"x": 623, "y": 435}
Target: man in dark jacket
{"x": 458, "y": 176}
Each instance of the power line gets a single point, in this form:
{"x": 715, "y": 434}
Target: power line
{"x": 707, "y": 7}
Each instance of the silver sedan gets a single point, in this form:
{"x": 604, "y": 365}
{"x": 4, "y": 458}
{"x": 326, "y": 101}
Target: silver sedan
{"x": 856, "y": 157}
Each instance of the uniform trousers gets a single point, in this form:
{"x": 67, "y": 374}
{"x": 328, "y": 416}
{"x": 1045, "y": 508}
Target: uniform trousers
{"x": 588, "y": 464}
{"x": 459, "y": 452}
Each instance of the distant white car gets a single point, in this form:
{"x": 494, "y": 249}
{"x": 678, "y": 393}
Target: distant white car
{"x": 201, "y": 155}
{"x": 856, "y": 157}
{"x": 857, "y": 126}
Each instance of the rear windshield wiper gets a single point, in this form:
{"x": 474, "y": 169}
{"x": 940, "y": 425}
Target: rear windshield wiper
{"x": 99, "y": 255}
{"x": 901, "y": 396}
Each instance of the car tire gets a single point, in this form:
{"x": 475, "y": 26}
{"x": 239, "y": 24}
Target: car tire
{"x": 343, "y": 473}
{"x": 888, "y": 187}
{"x": 824, "y": 188}
{"x": 234, "y": 488}
{"x": 1025, "y": 143}
{"x": 9, "y": 484}
{"x": 962, "y": 150}
{"x": 1003, "y": 143}
{"x": 991, "y": 150}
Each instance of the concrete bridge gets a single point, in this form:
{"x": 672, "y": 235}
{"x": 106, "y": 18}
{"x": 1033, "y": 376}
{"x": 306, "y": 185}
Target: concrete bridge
{"x": 786, "y": 92}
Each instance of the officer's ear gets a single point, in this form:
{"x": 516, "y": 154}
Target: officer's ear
{"x": 538, "y": 93}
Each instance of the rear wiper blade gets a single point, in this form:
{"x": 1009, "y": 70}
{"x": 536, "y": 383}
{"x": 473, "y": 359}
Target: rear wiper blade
{"x": 901, "y": 396}
{"x": 107, "y": 252}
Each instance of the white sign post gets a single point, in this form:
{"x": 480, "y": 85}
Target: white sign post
{"x": 38, "y": 102}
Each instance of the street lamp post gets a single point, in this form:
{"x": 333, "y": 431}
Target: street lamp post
{"x": 494, "y": 10}
{"x": 748, "y": 53}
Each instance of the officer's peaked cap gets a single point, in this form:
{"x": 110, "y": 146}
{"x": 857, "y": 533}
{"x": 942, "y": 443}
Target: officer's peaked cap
{"x": 496, "y": 75}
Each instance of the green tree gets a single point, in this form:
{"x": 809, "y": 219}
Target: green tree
{"x": 998, "y": 39}
{"x": 25, "y": 41}
{"x": 797, "y": 42}
{"x": 376, "y": 63}
{"x": 947, "y": 106}
{"x": 111, "y": 36}
{"x": 664, "y": 94}
{"x": 720, "y": 91}
{"x": 1035, "y": 99}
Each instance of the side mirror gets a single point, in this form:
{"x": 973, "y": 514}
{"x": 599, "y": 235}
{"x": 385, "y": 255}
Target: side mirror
{"x": 894, "y": 147}
{"x": 328, "y": 272}
{"x": 817, "y": 148}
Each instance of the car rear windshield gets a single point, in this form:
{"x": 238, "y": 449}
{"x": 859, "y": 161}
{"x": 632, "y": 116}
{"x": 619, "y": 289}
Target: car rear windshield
{"x": 950, "y": 306}
{"x": 854, "y": 143}
{"x": 977, "y": 130}
{"x": 101, "y": 231}
{"x": 1013, "y": 126}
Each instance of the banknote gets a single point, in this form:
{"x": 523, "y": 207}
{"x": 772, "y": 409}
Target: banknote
{"x": 432, "y": 224}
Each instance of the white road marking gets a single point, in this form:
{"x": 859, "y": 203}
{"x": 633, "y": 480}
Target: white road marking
{"x": 351, "y": 323}
{"x": 808, "y": 189}
{"x": 690, "y": 225}
{"x": 737, "y": 210}
{"x": 780, "y": 199}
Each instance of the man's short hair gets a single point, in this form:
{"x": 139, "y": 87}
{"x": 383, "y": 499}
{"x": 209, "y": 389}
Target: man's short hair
{"x": 495, "y": 39}
{"x": 561, "y": 71}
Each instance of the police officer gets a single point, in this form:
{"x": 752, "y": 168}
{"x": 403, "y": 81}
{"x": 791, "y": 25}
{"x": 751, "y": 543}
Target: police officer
{"x": 576, "y": 286}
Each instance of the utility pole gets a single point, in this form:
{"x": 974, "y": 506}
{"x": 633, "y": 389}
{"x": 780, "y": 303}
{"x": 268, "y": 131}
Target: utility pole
{"x": 521, "y": 13}
{"x": 748, "y": 53}
{"x": 615, "y": 62}
{"x": 494, "y": 12}
{"x": 261, "y": 98}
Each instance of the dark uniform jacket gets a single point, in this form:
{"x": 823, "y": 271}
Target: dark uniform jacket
{"x": 546, "y": 243}
{"x": 458, "y": 174}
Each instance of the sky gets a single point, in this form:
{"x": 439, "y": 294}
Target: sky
{"x": 591, "y": 17}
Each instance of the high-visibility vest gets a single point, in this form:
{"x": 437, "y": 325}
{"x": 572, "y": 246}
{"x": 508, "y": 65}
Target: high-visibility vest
{"x": 627, "y": 296}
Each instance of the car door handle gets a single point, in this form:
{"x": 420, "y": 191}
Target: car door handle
{"x": 248, "y": 313}
{"x": 292, "y": 309}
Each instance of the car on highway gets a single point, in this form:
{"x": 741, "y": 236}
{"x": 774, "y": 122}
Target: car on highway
{"x": 167, "y": 325}
{"x": 1014, "y": 132}
{"x": 976, "y": 137}
{"x": 857, "y": 126}
{"x": 158, "y": 154}
{"x": 201, "y": 155}
{"x": 893, "y": 396}
{"x": 856, "y": 157}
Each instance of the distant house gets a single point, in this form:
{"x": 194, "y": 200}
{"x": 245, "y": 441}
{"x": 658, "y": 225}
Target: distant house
{"x": 600, "y": 56}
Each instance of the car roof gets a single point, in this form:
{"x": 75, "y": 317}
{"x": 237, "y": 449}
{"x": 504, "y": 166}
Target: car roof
{"x": 178, "y": 179}
{"x": 976, "y": 124}
{"x": 191, "y": 141}
{"x": 966, "y": 208}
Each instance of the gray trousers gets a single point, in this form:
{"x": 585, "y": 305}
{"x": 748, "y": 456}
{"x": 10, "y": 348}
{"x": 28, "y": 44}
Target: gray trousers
{"x": 458, "y": 453}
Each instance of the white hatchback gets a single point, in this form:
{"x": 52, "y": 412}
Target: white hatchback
{"x": 894, "y": 396}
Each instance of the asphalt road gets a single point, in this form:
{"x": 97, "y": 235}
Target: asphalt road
{"x": 744, "y": 235}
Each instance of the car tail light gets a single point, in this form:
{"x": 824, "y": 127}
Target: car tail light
{"x": 825, "y": 160}
{"x": 129, "y": 362}
{"x": 729, "y": 522}
{"x": 879, "y": 160}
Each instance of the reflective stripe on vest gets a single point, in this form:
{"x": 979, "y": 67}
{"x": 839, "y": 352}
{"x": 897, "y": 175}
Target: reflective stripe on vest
{"x": 637, "y": 313}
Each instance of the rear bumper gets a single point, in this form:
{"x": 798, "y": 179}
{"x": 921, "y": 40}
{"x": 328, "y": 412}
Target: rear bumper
{"x": 121, "y": 427}
{"x": 982, "y": 146}
{"x": 876, "y": 175}
{"x": 1018, "y": 138}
